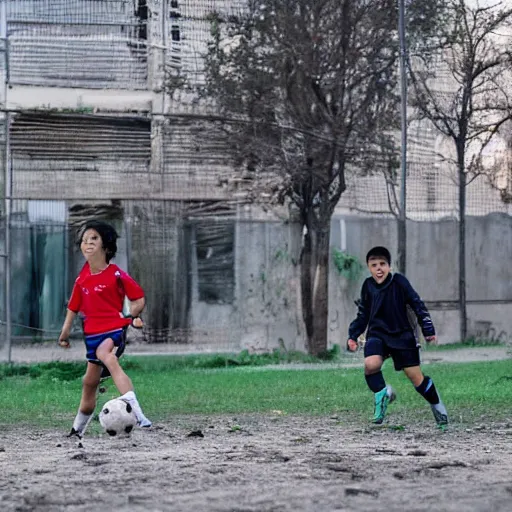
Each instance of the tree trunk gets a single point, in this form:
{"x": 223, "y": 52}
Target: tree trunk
{"x": 318, "y": 342}
{"x": 462, "y": 248}
{"x": 315, "y": 284}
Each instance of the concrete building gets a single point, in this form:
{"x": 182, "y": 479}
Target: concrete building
{"x": 91, "y": 128}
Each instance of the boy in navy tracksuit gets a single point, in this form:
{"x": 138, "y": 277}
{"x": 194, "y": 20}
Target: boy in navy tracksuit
{"x": 383, "y": 312}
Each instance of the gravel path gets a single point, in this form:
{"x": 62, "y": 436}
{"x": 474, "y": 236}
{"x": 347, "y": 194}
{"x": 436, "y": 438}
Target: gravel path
{"x": 51, "y": 352}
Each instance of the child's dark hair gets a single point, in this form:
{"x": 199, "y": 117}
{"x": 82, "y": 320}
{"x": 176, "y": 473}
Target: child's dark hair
{"x": 379, "y": 252}
{"x": 107, "y": 233}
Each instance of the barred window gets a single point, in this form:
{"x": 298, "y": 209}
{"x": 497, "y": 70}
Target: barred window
{"x": 214, "y": 248}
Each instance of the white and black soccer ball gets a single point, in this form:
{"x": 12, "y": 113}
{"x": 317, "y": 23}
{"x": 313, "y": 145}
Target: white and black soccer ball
{"x": 117, "y": 417}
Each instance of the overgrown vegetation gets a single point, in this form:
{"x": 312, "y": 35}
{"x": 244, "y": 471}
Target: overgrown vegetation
{"x": 68, "y": 371}
{"x": 347, "y": 265}
{"x": 55, "y": 370}
{"x": 470, "y": 342}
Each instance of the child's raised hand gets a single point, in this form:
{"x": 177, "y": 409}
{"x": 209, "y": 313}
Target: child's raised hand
{"x": 351, "y": 345}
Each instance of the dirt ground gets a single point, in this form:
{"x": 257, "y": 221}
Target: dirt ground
{"x": 263, "y": 463}
{"x": 272, "y": 463}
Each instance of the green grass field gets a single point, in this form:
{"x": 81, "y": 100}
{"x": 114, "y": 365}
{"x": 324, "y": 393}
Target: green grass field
{"x": 47, "y": 395}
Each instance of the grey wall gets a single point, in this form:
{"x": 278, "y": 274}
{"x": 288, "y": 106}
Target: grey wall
{"x": 432, "y": 268}
{"x": 268, "y": 286}
{"x": 266, "y": 310}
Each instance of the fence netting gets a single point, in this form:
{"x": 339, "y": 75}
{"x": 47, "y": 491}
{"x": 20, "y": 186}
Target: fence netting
{"x": 217, "y": 270}
{"x": 78, "y": 43}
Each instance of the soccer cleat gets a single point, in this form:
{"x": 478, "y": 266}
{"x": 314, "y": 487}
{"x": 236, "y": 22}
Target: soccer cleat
{"x": 74, "y": 433}
{"x": 80, "y": 424}
{"x": 144, "y": 422}
{"x": 440, "y": 414}
{"x": 382, "y": 399}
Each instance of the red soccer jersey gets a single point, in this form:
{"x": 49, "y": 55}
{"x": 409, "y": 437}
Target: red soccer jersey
{"x": 99, "y": 297}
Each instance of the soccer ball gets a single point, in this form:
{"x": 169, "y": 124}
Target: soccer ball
{"x": 117, "y": 417}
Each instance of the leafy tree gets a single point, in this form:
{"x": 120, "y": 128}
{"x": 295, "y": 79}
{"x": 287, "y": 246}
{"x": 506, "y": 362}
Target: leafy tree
{"x": 461, "y": 84}
{"x": 306, "y": 93}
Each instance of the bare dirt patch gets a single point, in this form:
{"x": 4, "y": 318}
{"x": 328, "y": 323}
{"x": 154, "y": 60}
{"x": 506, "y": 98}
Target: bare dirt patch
{"x": 260, "y": 463}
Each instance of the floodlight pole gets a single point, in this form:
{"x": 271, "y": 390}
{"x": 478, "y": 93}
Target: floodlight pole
{"x": 402, "y": 219}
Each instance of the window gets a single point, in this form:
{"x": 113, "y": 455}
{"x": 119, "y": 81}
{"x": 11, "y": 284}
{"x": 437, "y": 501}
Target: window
{"x": 175, "y": 33}
{"x": 214, "y": 251}
{"x": 142, "y": 13}
{"x": 431, "y": 191}
{"x": 38, "y": 268}
{"x": 175, "y": 13}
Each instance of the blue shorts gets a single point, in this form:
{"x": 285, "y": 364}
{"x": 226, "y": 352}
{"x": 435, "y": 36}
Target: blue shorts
{"x": 402, "y": 357}
{"x": 93, "y": 341}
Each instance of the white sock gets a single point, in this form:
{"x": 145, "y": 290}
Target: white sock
{"x": 81, "y": 422}
{"x": 132, "y": 400}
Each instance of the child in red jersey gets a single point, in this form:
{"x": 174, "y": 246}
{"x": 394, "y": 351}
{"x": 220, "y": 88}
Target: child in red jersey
{"x": 98, "y": 295}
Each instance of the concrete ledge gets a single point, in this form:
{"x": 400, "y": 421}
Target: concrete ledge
{"x": 26, "y": 97}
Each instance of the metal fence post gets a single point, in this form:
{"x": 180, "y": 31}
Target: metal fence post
{"x": 7, "y": 188}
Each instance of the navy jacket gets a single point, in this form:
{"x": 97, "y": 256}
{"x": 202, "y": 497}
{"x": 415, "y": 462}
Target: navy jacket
{"x": 383, "y": 310}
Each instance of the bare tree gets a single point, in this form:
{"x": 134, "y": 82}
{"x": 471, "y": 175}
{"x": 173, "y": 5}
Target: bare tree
{"x": 461, "y": 84}
{"x": 304, "y": 85}
{"x": 307, "y": 92}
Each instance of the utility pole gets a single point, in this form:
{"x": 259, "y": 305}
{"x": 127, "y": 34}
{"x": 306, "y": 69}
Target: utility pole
{"x": 402, "y": 219}
{"x": 7, "y": 188}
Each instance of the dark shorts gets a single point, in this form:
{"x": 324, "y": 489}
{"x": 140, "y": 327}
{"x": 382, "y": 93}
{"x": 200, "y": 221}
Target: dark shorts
{"x": 92, "y": 342}
{"x": 402, "y": 357}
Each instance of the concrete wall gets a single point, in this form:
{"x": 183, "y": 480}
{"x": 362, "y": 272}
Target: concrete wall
{"x": 266, "y": 310}
{"x": 432, "y": 268}
{"x": 266, "y": 313}
{"x": 268, "y": 286}
{"x": 26, "y": 97}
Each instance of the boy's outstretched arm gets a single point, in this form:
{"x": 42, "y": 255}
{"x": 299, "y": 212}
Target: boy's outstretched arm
{"x": 358, "y": 326}
{"x": 420, "y": 310}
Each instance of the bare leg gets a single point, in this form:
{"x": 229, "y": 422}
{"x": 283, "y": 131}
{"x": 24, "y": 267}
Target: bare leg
{"x": 372, "y": 364}
{"x": 105, "y": 353}
{"x": 88, "y": 400}
{"x": 89, "y": 386}
{"x": 414, "y": 374}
